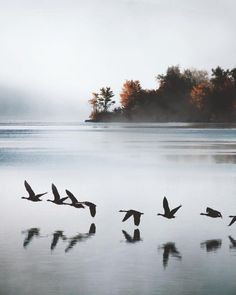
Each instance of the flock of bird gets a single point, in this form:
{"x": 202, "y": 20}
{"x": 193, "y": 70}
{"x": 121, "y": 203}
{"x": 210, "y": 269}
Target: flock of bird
{"x": 129, "y": 213}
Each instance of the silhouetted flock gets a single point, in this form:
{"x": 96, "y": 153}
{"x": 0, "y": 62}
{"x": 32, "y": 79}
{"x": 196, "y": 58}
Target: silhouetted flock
{"x": 92, "y": 207}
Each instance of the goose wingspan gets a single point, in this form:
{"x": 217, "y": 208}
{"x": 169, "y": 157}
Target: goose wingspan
{"x": 92, "y": 208}
{"x": 136, "y": 219}
{"x": 55, "y": 193}
{"x": 72, "y": 197}
{"x": 173, "y": 211}
{"x": 127, "y": 215}
{"x": 29, "y": 189}
{"x": 166, "y": 206}
{"x": 233, "y": 220}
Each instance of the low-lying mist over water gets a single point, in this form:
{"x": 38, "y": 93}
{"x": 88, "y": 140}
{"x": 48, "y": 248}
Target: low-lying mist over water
{"x": 51, "y": 249}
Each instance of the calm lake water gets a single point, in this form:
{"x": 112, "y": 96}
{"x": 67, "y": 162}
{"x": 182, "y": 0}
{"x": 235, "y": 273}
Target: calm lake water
{"x": 118, "y": 166}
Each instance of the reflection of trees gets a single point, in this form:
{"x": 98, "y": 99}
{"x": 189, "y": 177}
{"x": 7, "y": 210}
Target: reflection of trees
{"x": 218, "y": 159}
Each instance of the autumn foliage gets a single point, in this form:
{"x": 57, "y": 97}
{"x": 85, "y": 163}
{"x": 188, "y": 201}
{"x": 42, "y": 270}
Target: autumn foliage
{"x": 181, "y": 95}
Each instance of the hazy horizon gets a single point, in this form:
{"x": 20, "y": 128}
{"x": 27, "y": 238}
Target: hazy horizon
{"x": 55, "y": 54}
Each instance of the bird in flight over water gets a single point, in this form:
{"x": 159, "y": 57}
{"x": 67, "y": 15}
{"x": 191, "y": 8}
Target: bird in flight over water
{"x": 80, "y": 204}
{"x": 136, "y": 215}
{"x": 233, "y": 219}
{"x": 32, "y": 196}
{"x": 167, "y": 212}
{"x": 212, "y": 213}
{"x": 57, "y": 198}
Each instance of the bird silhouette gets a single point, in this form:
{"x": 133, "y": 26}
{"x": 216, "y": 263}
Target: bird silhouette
{"x": 80, "y": 204}
{"x": 136, "y": 215}
{"x": 57, "y": 198}
{"x": 56, "y": 236}
{"x": 233, "y": 242}
{"x": 32, "y": 196}
{"x": 212, "y": 213}
{"x": 75, "y": 203}
{"x": 211, "y": 245}
{"x": 32, "y": 232}
{"x": 233, "y": 219}
{"x": 167, "y": 212}
{"x": 169, "y": 250}
{"x": 135, "y": 238}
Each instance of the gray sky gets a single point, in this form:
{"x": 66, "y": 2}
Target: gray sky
{"x": 59, "y": 51}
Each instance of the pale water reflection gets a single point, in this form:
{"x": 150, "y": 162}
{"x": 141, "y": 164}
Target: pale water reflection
{"x": 116, "y": 166}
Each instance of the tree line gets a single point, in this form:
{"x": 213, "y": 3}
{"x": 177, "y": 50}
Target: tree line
{"x": 187, "y": 95}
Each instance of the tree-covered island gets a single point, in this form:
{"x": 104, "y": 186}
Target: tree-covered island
{"x": 187, "y": 95}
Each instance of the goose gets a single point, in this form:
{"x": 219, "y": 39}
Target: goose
{"x": 32, "y": 196}
{"x": 212, "y": 213}
{"x": 233, "y": 219}
{"x": 57, "y": 199}
{"x": 168, "y": 213}
{"x": 75, "y": 203}
{"x": 136, "y": 215}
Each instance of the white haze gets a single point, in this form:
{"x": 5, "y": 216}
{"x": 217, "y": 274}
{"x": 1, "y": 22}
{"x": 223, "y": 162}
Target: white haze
{"x": 58, "y": 52}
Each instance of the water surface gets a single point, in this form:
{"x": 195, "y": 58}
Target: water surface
{"x": 49, "y": 249}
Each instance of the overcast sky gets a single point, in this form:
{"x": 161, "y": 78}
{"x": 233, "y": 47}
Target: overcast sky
{"x": 62, "y": 50}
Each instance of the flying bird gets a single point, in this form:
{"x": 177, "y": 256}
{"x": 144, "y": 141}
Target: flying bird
{"x": 167, "y": 212}
{"x": 57, "y": 198}
{"x": 233, "y": 219}
{"x": 32, "y": 196}
{"x": 75, "y": 203}
{"x": 80, "y": 204}
{"x": 136, "y": 215}
{"x": 212, "y": 213}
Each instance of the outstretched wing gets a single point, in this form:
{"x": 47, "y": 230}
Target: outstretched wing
{"x": 29, "y": 189}
{"x": 55, "y": 193}
{"x": 92, "y": 208}
{"x": 173, "y": 211}
{"x": 166, "y": 206}
{"x": 232, "y": 221}
{"x": 127, "y": 215}
{"x": 72, "y": 197}
{"x": 137, "y": 219}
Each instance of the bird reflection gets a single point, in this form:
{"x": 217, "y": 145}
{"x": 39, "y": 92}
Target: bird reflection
{"x": 135, "y": 238}
{"x": 81, "y": 237}
{"x": 56, "y": 236}
{"x": 233, "y": 243}
{"x": 32, "y": 232}
{"x": 170, "y": 250}
{"x": 211, "y": 245}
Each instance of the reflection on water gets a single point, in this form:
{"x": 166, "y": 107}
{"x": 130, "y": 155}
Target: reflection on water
{"x": 170, "y": 250}
{"x": 211, "y": 245}
{"x": 56, "y": 236}
{"x": 134, "y": 239}
{"x": 81, "y": 237}
{"x": 32, "y": 232}
{"x": 117, "y": 166}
